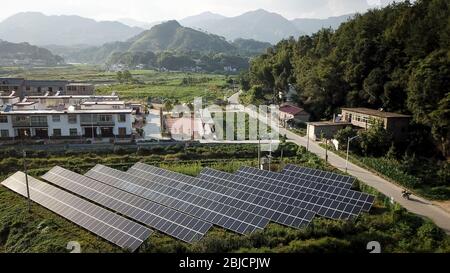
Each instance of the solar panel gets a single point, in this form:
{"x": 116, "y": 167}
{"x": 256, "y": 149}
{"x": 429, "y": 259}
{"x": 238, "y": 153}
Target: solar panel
{"x": 277, "y": 182}
{"x": 104, "y": 223}
{"x": 276, "y": 211}
{"x": 164, "y": 219}
{"x": 329, "y": 178}
{"x": 328, "y": 208}
{"x": 181, "y": 198}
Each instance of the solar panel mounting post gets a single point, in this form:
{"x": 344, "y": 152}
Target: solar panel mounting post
{"x": 24, "y": 153}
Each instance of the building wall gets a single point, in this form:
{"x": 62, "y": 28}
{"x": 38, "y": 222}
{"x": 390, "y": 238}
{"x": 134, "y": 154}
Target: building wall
{"x": 397, "y": 126}
{"x": 80, "y": 89}
{"x": 65, "y": 126}
{"x": 328, "y": 131}
{"x": 7, "y": 126}
{"x": 361, "y": 120}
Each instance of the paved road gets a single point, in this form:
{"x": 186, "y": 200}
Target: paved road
{"x": 152, "y": 128}
{"x": 416, "y": 205}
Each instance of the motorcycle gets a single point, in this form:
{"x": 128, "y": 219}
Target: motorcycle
{"x": 406, "y": 194}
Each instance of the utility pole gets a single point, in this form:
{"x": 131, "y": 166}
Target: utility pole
{"x": 281, "y": 159}
{"x": 307, "y": 137}
{"x": 326, "y": 150}
{"x": 259, "y": 152}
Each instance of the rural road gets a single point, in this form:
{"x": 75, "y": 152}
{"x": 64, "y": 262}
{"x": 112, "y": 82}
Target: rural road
{"x": 416, "y": 204}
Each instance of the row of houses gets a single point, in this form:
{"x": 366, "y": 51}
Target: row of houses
{"x": 65, "y": 117}
{"x": 23, "y": 87}
{"x": 362, "y": 118}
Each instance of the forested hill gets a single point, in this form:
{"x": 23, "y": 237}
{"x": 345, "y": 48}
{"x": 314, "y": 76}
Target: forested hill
{"x": 10, "y": 53}
{"x": 396, "y": 58}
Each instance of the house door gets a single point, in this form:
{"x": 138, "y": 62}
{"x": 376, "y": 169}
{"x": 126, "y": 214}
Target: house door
{"x": 42, "y": 133}
{"x": 107, "y": 131}
{"x": 23, "y": 133}
{"x": 90, "y": 132}
{"x": 122, "y": 132}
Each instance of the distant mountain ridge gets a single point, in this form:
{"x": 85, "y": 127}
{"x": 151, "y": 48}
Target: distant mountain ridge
{"x": 169, "y": 36}
{"x": 39, "y": 29}
{"x": 260, "y": 25}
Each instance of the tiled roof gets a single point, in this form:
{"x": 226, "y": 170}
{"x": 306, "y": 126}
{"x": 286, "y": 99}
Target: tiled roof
{"x": 290, "y": 109}
{"x": 375, "y": 113}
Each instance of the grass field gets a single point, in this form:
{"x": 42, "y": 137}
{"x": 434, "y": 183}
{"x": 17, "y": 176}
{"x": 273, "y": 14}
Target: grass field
{"x": 173, "y": 86}
{"x": 44, "y": 231}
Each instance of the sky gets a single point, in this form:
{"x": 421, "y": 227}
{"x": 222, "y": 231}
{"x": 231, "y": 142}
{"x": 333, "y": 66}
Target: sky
{"x": 161, "y": 10}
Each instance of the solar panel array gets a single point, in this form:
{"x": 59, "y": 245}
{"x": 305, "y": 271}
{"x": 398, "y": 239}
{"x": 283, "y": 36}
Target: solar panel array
{"x": 186, "y": 207}
{"x": 104, "y": 223}
{"x": 320, "y": 176}
{"x": 256, "y": 204}
{"x": 335, "y": 202}
{"x": 168, "y": 191}
{"x": 164, "y": 219}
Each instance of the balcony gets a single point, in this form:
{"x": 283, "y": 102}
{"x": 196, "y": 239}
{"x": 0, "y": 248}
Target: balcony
{"x": 29, "y": 124}
{"x": 87, "y": 120}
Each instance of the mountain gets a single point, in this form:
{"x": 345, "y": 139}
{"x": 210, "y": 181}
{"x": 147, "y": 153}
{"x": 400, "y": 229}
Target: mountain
{"x": 168, "y": 36}
{"x": 135, "y": 23}
{"x": 259, "y": 25}
{"x": 26, "y": 54}
{"x": 173, "y": 37}
{"x": 201, "y": 20}
{"x": 310, "y": 26}
{"x": 39, "y": 29}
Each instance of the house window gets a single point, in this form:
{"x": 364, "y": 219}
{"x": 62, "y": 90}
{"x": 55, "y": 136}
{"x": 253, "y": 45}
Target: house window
{"x": 56, "y": 132}
{"x": 56, "y": 118}
{"x": 122, "y": 118}
{"x": 105, "y": 118}
{"x": 72, "y": 119}
{"x": 20, "y": 118}
{"x": 39, "y": 120}
{"x": 4, "y": 133}
{"x": 3, "y": 119}
{"x": 73, "y": 132}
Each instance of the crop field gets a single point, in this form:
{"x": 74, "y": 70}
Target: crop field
{"x": 173, "y": 86}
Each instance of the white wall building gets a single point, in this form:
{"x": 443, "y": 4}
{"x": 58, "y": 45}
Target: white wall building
{"x": 42, "y": 118}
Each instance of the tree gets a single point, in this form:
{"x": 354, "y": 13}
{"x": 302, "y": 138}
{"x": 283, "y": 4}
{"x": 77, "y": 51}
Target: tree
{"x": 120, "y": 76}
{"x": 343, "y": 135}
{"x": 375, "y": 141}
{"x": 428, "y": 94}
{"x": 441, "y": 123}
{"x": 127, "y": 77}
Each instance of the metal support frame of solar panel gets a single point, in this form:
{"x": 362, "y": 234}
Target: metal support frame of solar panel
{"x": 211, "y": 211}
{"x": 329, "y": 178}
{"x": 102, "y": 222}
{"x": 276, "y": 211}
{"x": 328, "y": 208}
{"x": 276, "y": 180}
{"x": 169, "y": 221}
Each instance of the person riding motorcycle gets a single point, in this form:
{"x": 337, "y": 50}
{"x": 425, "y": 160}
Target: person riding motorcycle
{"x": 406, "y": 194}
